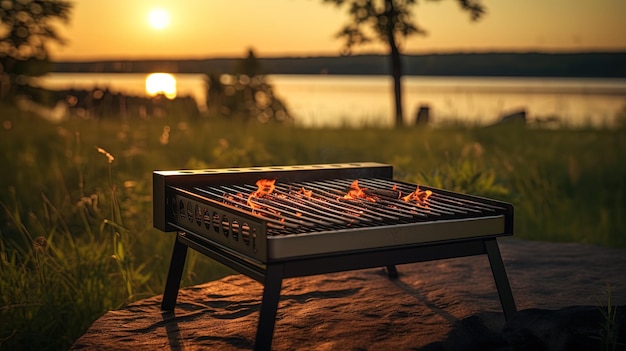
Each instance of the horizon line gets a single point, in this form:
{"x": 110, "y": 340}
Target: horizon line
{"x": 329, "y": 55}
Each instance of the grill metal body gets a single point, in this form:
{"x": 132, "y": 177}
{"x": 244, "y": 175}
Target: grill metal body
{"x": 292, "y": 233}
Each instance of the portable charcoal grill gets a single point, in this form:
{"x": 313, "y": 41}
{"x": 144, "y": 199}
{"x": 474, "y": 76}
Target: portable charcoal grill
{"x": 271, "y": 223}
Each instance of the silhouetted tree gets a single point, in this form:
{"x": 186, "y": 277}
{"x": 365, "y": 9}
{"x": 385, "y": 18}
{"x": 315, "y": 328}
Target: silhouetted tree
{"x": 385, "y": 20}
{"x": 249, "y": 66}
{"x": 246, "y": 93}
{"x": 25, "y": 30}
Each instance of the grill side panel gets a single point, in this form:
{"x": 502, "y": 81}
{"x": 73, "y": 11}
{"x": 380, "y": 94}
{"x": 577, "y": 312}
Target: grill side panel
{"x": 159, "y": 207}
{"x": 220, "y": 224}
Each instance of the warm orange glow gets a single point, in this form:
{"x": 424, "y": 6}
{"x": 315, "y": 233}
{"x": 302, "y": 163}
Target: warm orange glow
{"x": 357, "y": 192}
{"x": 418, "y": 196}
{"x": 210, "y": 30}
{"x": 161, "y": 83}
{"x": 307, "y": 193}
{"x": 158, "y": 19}
{"x": 266, "y": 187}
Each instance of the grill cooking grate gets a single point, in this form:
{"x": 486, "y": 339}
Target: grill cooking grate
{"x": 314, "y": 206}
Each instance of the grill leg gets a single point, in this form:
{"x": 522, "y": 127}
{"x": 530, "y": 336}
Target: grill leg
{"x": 502, "y": 281}
{"x": 392, "y": 271}
{"x": 177, "y": 264}
{"x": 269, "y": 306}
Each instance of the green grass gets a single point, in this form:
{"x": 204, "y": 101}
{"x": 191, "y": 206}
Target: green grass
{"x": 76, "y": 230}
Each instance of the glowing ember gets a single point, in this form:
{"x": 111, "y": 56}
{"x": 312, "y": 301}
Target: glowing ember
{"x": 307, "y": 193}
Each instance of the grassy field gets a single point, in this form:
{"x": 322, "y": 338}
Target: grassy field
{"x": 75, "y": 198}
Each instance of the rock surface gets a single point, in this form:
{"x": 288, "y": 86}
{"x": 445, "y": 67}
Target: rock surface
{"x": 560, "y": 291}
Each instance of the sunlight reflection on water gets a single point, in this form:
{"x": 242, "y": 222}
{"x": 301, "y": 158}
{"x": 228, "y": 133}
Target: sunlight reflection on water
{"x": 328, "y": 100}
{"x": 161, "y": 83}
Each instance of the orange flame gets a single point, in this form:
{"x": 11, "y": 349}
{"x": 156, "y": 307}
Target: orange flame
{"x": 418, "y": 196}
{"x": 266, "y": 187}
{"x": 357, "y": 192}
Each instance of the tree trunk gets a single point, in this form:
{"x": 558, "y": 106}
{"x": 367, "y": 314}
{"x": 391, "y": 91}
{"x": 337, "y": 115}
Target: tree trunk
{"x": 396, "y": 65}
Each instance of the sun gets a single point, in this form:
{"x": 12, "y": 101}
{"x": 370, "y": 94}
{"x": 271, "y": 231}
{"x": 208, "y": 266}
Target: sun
{"x": 158, "y": 19}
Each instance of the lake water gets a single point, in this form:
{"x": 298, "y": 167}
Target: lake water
{"x": 329, "y": 100}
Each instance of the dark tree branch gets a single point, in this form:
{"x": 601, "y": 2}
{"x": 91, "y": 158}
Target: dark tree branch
{"x": 388, "y": 21}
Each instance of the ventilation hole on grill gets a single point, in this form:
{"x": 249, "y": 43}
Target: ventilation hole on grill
{"x": 198, "y": 216}
{"x": 253, "y": 239}
{"x": 185, "y": 172}
{"x": 235, "y": 228}
{"x": 245, "y": 233}
{"x": 181, "y": 209}
{"x": 226, "y": 227}
{"x": 216, "y": 222}
{"x": 206, "y": 218}
{"x": 172, "y": 205}
{"x": 189, "y": 212}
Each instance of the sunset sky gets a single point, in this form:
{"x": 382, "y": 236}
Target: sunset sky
{"x": 119, "y": 29}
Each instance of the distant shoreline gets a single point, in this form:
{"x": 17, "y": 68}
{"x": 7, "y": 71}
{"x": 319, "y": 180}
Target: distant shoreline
{"x": 512, "y": 64}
